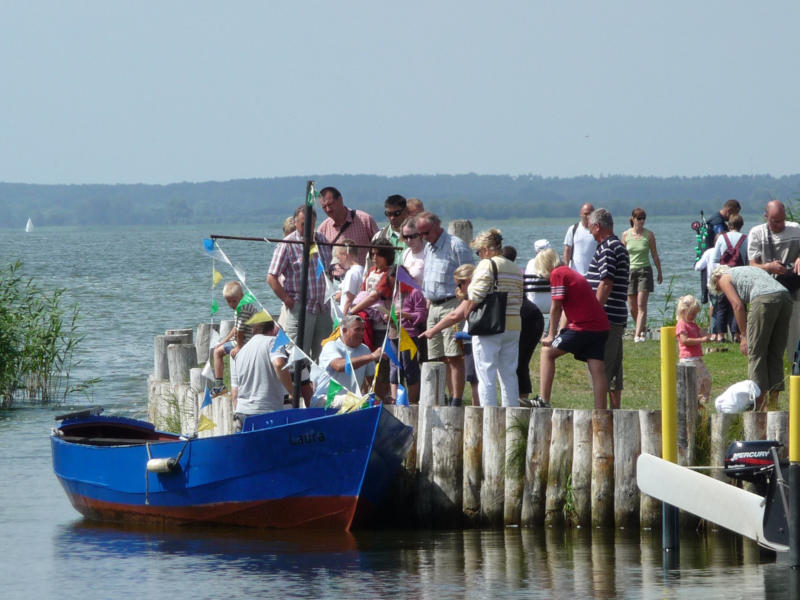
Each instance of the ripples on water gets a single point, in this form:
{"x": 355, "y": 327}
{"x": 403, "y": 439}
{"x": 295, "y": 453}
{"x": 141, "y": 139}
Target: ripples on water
{"x": 132, "y": 284}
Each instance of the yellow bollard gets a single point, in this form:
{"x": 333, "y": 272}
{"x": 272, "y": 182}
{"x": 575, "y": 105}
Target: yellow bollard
{"x": 794, "y": 418}
{"x": 669, "y": 395}
{"x": 794, "y": 471}
{"x": 670, "y": 536}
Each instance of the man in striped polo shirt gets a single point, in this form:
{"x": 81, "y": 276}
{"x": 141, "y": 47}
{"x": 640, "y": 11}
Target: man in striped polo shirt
{"x": 608, "y": 276}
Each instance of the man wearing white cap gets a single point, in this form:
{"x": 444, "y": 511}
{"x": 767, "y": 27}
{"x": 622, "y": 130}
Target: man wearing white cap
{"x": 579, "y": 244}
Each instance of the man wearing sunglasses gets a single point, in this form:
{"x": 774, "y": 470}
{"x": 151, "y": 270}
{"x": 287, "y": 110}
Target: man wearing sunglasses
{"x": 396, "y": 211}
{"x": 444, "y": 253}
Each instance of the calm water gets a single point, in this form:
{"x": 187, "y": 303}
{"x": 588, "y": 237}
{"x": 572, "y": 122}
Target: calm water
{"x": 133, "y": 284}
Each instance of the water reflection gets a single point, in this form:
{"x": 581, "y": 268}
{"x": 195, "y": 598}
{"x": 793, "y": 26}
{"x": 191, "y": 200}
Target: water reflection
{"x": 549, "y": 563}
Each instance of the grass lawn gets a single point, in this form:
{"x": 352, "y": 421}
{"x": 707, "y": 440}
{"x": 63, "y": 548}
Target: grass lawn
{"x": 642, "y": 376}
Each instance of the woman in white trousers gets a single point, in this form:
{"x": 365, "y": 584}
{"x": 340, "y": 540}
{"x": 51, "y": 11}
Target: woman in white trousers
{"x": 496, "y": 355}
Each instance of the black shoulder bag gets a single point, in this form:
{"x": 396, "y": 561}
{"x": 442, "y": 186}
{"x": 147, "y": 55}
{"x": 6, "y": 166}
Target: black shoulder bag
{"x": 489, "y": 317}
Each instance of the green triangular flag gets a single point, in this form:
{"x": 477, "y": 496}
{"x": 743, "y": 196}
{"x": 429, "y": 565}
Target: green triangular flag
{"x": 333, "y": 388}
{"x": 393, "y": 315}
{"x": 335, "y": 321}
{"x": 214, "y": 306}
{"x": 248, "y": 298}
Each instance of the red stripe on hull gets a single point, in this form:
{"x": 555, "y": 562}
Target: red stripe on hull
{"x": 324, "y": 512}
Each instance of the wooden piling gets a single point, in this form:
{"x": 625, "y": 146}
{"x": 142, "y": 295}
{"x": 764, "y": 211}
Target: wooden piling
{"x": 160, "y": 359}
{"x": 461, "y": 228}
{"x": 560, "y": 466}
{"x": 650, "y": 428}
{"x": 447, "y": 437}
{"x": 225, "y": 327}
{"x": 778, "y": 429}
{"x": 424, "y": 466}
{"x": 602, "y": 467}
{"x": 627, "y": 445}
{"x": 197, "y": 381}
{"x": 754, "y": 424}
{"x": 473, "y": 465}
{"x": 517, "y": 424}
{"x": 687, "y": 413}
{"x": 185, "y": 334}
{"x": 721, "y": 425}
{"x": 180, "y": 359}
{"x": 494, "y": 459}
{"x": 537, "y": 462}
{"x": 582, "y": 466}
{"x": 203, "y": 341}
{"x": 400, "y": 495}
{"x": 432, "y": 383}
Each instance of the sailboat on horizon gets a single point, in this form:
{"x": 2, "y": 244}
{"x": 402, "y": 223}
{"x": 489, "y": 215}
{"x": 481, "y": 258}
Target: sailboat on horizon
{"x": 29, "y": 226}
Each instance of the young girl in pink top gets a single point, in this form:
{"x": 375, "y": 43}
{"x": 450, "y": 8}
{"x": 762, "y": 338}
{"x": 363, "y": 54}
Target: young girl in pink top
{"x": 690, "y": 340}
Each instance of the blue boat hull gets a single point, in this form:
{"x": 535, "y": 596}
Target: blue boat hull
{"x": 294, "y": 468}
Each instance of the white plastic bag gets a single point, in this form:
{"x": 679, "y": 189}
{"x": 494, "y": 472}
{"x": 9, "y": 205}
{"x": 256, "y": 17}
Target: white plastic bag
{"x": 738, "y": 398}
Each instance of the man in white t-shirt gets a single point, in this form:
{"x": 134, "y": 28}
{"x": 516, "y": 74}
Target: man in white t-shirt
{"x": 579, "y": 244}
{"x": 258, "y": 381}
{"x": 333, "y": 361}
{"x": 775, "y": 247}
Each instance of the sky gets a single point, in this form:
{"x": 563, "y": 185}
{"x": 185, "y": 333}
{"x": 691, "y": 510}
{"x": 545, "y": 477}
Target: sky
{"x": 160, "y": 92}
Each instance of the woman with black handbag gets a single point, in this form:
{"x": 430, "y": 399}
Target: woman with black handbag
{"x": 494, "y": 320}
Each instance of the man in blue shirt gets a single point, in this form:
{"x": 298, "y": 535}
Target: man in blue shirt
{"x": 444, "y": 253}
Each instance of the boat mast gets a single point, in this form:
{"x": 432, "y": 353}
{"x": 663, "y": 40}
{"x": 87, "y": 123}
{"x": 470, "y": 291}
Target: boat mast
{"x": 308, "y": 235}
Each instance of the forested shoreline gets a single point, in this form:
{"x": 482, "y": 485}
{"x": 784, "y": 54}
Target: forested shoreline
{"x": 465, "y": 196}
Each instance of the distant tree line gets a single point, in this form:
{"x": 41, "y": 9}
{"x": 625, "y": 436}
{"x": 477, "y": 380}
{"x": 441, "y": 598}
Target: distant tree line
{"x": 452, "y": 196}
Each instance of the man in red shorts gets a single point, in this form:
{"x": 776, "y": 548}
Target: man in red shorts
{"x": 585, "y": 334}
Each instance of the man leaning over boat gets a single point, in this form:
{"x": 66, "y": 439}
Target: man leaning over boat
{"x": 334, "y": 358}
{"x": 258, "y": 380}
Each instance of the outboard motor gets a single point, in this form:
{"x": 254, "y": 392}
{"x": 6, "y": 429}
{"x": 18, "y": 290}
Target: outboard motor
{"x": 752, "y": 461}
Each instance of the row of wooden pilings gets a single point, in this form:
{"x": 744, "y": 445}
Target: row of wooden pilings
{"x": 177, "y": 385}
{"x": 496, "y": 466}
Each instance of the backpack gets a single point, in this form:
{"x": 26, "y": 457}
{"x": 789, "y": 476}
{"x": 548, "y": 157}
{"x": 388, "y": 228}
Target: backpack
{"x": 731, "y": 256}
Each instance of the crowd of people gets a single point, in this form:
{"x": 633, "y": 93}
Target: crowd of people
{"x": 411, "y": 292}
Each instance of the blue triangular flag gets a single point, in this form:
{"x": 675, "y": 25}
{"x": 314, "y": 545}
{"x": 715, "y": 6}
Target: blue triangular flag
{"x": 402, "y": 396}
{"x": 281, "y": 339}
{"x": 320, "y": 267}
{"x": 206, "y": 398}
{"x": 348, "y": 364}
{"x": 389, "y": 351}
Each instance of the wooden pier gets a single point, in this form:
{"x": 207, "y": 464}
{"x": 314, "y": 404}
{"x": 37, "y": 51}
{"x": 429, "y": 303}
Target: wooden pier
{"x": 494, "y": 466}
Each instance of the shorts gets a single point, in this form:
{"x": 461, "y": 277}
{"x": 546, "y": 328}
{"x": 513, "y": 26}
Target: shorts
{"x": 613, "y": 357}
{"x": 640, "y": 280}
{"x": 443, "y": 344}
{"x": 228, "y": 347}
{"x": 583, "y": 345}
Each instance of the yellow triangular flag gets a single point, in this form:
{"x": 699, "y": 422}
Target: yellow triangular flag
{"x": 406, "y": 343}
{"x": 333, "y": 336}
{"x": 215, "y": 277}
{"x": 261, "y": 316}
{"x": 313, "y": 249}
{"x": 205, "y": 424}
{"x": 350, "y": 403}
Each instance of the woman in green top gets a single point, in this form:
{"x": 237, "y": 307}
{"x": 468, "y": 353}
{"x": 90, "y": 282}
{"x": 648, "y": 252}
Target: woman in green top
{"x": 641, "y": 243}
